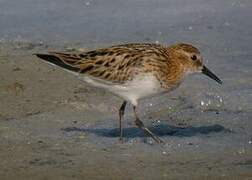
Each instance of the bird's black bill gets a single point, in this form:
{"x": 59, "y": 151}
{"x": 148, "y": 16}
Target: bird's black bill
{"x": 210, "y": 74}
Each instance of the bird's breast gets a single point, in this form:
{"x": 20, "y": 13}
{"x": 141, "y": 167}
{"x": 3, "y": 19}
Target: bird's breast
{"x": 141, "y": 86}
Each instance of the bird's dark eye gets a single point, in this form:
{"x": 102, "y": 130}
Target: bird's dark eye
{"x": 194, "y": 57}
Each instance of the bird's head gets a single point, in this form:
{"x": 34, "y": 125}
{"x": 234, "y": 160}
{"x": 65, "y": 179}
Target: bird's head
{"x": 190, "y": 60}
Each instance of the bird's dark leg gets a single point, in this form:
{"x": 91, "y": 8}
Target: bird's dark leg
{"x": 140, "y": 124}
{"x": 121, "y": 113}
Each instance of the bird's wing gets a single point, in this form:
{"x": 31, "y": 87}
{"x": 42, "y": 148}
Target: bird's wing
{"x": 115, "y": 64}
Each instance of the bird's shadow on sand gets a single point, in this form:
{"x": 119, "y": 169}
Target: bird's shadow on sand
{"x": 160, "y": 130}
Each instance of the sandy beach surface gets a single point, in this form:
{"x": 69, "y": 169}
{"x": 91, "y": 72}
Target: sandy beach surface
{"x": 54, "y": 126}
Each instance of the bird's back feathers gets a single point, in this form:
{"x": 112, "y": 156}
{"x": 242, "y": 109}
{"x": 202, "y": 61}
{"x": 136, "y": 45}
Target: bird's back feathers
{"x": 115, "y": 64}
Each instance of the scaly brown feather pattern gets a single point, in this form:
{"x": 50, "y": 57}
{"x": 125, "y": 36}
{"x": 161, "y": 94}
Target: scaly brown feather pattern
{"x": 121, "y": 63}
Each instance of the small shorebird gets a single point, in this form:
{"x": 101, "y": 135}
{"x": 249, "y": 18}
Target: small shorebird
{"x": 133, "y": 71}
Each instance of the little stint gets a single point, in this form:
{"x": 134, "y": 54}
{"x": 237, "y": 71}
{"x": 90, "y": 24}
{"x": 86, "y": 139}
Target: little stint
{"x": 133, "y": 71}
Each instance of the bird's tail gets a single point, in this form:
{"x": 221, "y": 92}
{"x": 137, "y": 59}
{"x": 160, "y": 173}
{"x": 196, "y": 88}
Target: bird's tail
{"x": 58, "y": 61}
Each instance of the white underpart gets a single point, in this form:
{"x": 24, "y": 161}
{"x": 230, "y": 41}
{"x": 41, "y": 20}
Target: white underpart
{"x": 143, "y": 85}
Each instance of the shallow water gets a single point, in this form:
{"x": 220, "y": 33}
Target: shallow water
{"x": 52, "y": 126}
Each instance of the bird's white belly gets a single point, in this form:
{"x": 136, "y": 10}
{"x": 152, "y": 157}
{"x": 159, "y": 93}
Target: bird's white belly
{"x": 141, "y": 86}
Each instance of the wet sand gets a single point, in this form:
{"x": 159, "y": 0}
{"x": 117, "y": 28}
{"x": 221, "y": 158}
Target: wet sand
{"x": 53, "y": 126}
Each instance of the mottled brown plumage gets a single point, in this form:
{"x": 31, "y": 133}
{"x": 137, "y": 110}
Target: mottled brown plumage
{"x": 133, "y": 71}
